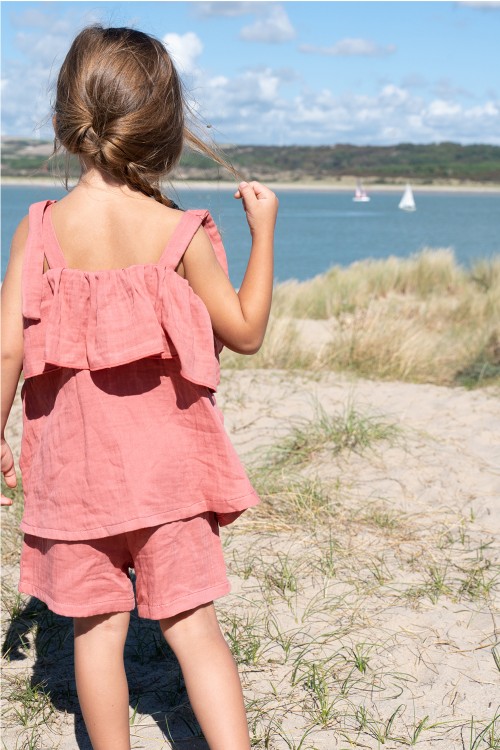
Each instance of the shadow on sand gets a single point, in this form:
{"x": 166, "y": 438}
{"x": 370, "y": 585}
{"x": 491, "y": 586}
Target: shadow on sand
{"x": 155, "y": 680}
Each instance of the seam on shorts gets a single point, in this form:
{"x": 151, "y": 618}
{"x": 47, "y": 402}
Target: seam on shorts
{"x": 188, "y": 596}
{"x": 66, "y": 605}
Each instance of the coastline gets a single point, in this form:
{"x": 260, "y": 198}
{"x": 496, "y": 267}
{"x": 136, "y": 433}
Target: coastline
{"x": 346, "y": 185}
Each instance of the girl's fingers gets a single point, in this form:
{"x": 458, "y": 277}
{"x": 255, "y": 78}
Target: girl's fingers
{"x": 261, "y": 191}
{"x": 247, "y": 194}
{"x": 10, "y": 478}
{"x": 8, "y": 470}
{"x": 253, "y": 189}
{"x": 245, "y": 189}
{"x": 240, "y": 189}
{"x": 10, "y": 481}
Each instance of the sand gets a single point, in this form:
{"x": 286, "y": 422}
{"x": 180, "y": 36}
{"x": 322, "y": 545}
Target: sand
{"x": 343, "y": 184}
{"x": 380, "y": 622}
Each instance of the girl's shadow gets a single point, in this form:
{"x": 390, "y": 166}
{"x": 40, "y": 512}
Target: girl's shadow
{"x": 155, "y": 680}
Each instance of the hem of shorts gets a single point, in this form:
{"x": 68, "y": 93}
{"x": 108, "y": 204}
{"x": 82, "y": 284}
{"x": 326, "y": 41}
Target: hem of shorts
{"x": 77, "y": 610}
{"x": 237, "y": 505}
{"x": 184, "y": 603}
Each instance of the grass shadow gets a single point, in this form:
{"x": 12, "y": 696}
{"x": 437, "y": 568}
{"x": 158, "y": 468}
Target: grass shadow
{"x": 156, "y": 686}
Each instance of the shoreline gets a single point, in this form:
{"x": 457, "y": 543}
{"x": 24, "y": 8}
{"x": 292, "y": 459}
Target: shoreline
{"x": 333, "y": 186}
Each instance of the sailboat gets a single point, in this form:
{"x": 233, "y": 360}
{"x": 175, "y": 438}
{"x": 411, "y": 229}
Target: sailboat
{"x": 407, "y": 202}
{"x": 360, "y": 196}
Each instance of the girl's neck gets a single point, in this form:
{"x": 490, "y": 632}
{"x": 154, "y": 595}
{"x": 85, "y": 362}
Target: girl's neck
{"x": 99, "y": 184}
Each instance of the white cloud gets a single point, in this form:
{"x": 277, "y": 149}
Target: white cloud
{"x": 392, "y": 95}
{"x": 251, "y": 108}
{"x": 489, "y": 109}
{"x": 255, "y": 91}
{"x": 272, "y": 24}
{"x": 184, "y": 49}
{"x": 273, "y": 27}
{"x": 26, "y": 108}
{"x": 350, "y": 47}
{"x": 227, "y": 8}
{"x": 27, "y": 91}
{"x": 264, "y": 104}
{"x": 439, "y": 109}
{"x": 47, "y": 49}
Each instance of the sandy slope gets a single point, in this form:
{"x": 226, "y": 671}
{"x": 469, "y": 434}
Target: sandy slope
{"x": 367, "y": 582}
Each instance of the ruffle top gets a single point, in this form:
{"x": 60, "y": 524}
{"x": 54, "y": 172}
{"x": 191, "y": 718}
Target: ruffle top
{"x": 120, "y": 425}
{"x": 96, "y": 319}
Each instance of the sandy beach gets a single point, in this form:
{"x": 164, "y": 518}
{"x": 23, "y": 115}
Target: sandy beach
{"x": 365, "y": 606}
{"x": 345, "y": 184}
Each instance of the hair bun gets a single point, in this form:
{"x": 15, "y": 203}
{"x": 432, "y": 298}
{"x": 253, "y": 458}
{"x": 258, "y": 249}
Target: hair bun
{"x": 89, "y": 143}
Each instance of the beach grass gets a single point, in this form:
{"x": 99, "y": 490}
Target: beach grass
{"x": 418, "y": 319}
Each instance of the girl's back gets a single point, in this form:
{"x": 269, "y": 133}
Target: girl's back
{"x": 111, "y": 229}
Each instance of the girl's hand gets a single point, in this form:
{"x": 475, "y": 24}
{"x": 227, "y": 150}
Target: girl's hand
{"x": 261, "y": 207}
{"x": 8, "y": 470}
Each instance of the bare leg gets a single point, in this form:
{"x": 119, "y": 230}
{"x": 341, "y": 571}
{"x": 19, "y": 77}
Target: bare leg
{"x": 211, "y": 677}
{"x": 100, "y": 679}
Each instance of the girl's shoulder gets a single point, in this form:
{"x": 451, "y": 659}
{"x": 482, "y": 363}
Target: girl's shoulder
{"x": 16, "y": 256}
{"x": 19, "y": 237}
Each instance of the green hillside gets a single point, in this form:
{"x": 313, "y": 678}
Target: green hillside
{"x": 422, "y": 164}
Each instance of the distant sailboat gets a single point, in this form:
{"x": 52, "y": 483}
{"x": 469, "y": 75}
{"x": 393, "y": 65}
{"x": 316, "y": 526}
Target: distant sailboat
{"x": 360, "y": 196}
{"x": 407, "y": 202}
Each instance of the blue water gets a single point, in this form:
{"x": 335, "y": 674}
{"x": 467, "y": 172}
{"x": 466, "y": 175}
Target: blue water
{"x": 316, "y": 230}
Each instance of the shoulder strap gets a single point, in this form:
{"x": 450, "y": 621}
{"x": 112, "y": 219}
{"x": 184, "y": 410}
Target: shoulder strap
{"x": 181, "y": 237}
{"x": 51, "y": 248}
{"x": 184, "y": 233}
{"x": 210, "y": 227}
{"x": 32, "y": 274}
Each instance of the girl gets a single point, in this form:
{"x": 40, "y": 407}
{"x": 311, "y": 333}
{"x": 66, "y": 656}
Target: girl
{"x": 116, "y": 305}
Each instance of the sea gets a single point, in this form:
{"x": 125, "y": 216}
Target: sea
{"x": 320, "y": 229}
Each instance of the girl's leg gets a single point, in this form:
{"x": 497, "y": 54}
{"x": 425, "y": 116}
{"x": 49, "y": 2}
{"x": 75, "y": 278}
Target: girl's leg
{"x": 211, "y": 676}
{"x": 100, "y": 679}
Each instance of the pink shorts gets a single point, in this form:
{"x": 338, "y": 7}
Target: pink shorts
{"x": 178, "y": 566}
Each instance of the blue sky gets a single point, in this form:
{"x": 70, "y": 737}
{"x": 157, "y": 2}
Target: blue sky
{"x": 287, "y": 72}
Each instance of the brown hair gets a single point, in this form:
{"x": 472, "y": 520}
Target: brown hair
{"x": 120, "y": 107}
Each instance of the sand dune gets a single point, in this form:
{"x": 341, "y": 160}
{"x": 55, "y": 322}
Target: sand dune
{"x": 365, "y": 605}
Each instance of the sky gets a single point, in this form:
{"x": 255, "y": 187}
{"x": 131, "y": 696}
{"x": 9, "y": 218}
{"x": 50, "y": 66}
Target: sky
{"x": 286, "y": 73}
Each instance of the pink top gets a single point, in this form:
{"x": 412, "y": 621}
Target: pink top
{"x": 120, "y": 425}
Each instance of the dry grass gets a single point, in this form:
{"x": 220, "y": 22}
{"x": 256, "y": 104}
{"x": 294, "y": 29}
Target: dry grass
{"x": 421, "y": 319}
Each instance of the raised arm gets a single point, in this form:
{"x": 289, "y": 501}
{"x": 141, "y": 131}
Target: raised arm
{"x": 239, "y": 319}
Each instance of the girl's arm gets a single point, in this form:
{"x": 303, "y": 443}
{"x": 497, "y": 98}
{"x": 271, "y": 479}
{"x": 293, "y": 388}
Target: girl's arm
{"x": 239, "y": 319}
{"x": 12, "y": 343}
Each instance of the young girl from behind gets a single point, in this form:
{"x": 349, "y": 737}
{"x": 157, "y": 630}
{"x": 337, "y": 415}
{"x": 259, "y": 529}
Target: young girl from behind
{"x": 115, "y": 305}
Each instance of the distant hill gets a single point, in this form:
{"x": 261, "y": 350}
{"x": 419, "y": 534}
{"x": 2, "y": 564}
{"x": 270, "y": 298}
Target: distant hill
{"x": 423, "y": 164}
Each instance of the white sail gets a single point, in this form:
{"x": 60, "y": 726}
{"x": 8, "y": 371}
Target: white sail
{"x": 360, "y": 196}
{"x": 407, "y": 202}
